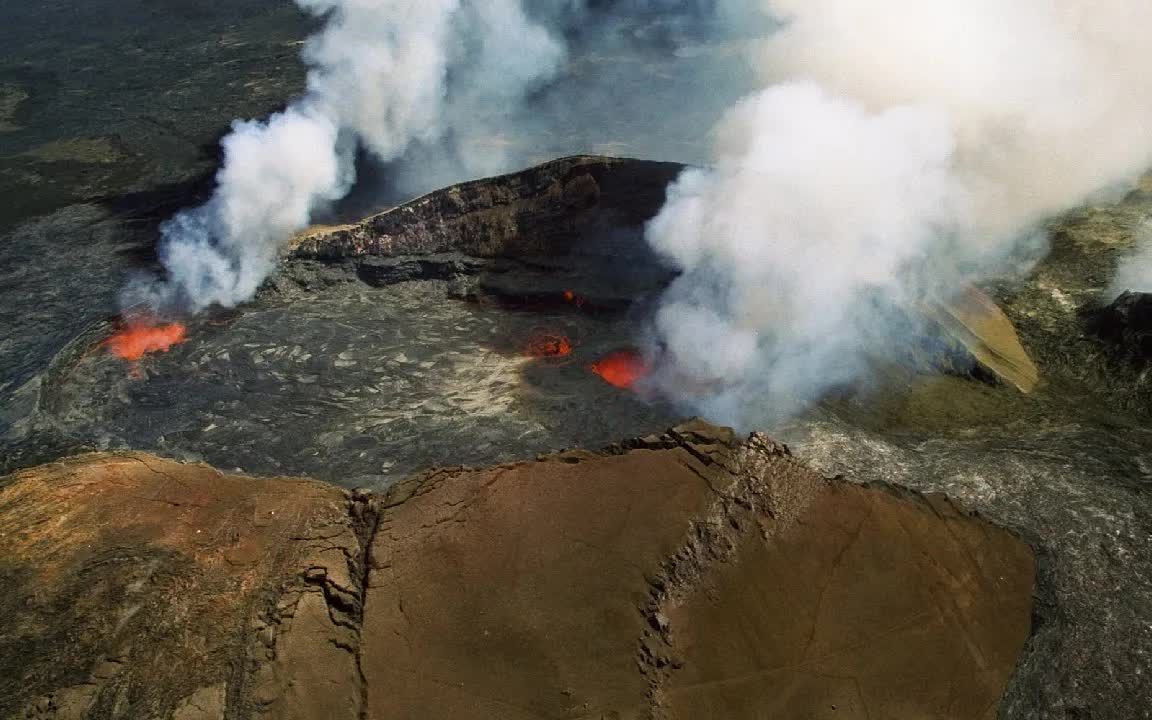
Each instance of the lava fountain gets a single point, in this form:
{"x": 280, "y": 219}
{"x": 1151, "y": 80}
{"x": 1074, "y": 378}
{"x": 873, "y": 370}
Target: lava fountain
{"x": 140, "y": 336}
{"x": 622, "y": 369}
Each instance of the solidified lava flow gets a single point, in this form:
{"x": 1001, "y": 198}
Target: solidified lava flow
{"x": 622, "y": 369}
{"x": 139, "y": 337}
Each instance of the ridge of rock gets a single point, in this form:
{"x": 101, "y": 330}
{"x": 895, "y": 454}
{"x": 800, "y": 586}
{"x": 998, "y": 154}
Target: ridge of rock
{"x": 685, "y": 575}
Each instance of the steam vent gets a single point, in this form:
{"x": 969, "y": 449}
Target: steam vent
{"x": 575, "y": 360}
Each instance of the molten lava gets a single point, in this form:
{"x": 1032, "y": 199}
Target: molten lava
{"x": 139, "y": 337}
{"x": 548, "y": 345}
{"x": 623, "y": 368}
{"x": 573, "y": 299}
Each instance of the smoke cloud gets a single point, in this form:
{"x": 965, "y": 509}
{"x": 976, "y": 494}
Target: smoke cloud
{"x": 882, "y": 155}
{"x": 641, "y": 78}
{"x": 1135, "y": 270}
{"x": 896, "y": 151}
{"x": 434, "y": 92}
{"x": 384, "y": 75}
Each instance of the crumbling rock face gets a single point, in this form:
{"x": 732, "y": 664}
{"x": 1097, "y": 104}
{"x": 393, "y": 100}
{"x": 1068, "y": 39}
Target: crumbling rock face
{"x": 686, "y": 575}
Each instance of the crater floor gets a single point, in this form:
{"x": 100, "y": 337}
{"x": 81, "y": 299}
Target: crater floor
{"x": 358, "y": 385}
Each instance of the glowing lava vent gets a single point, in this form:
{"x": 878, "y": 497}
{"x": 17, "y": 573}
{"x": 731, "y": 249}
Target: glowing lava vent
{"x": 139, "y": 336}
{"x": 548, "y": 345}
{"x": 623, "y": 368}
{"x": 573, "y": 299}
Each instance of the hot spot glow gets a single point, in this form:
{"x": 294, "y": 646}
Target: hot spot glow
{"x": 138, "y": 337}
{"x": 622, "y": 369}
{"x": 573, "y": 299}
{"x": 548, "y": 345}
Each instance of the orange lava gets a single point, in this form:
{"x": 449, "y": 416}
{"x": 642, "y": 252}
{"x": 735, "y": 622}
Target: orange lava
{"x": 622, "y": 369}
{"x": 573, "y": 298}
{"x": 140, "y": 337}
{"x": 548, "y": 345}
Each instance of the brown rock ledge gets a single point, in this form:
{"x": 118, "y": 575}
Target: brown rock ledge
{"x": 686, "y": 576}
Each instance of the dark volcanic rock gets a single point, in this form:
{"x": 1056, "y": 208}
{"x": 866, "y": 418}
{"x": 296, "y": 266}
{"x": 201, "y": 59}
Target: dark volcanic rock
{"x": 1127, "y": 323}
{"x": 549, "y": 210}
{"x": 379, "y": 271}
{"x": 685, "y": 575}
{"x": 574, "y": 224}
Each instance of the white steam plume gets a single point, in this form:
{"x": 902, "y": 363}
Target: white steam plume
{"x": 1135, "y": 270}
{"x": 629, "y": 62}
{"x": 898, "y": 150}
{"x": 383, "y": 74}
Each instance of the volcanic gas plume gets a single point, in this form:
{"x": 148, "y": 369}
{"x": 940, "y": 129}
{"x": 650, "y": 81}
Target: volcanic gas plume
{"x": 895, "y": 152}
{"x": 429, "y": 88}
{"x": 384, "y": 75}
{"x": 1135, "y": 269}
{"x": 898, "y": 151}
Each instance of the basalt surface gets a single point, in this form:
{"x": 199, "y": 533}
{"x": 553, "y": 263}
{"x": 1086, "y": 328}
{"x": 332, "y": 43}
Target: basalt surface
{"x": 573, "y": 226}
{"x": 684, "y": 575}
{"x": 406, "y": 340}
{"x": 123, "y": 102}
{"x": 361, "y": 366}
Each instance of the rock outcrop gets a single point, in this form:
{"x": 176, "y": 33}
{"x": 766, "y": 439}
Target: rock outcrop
{"x": 138, "y": 587}
{"x": 575, "y": 224}
{"x": 687, "y": 575}
{"x": 1126, "y": 323}
{"x": 547, "y": 210}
